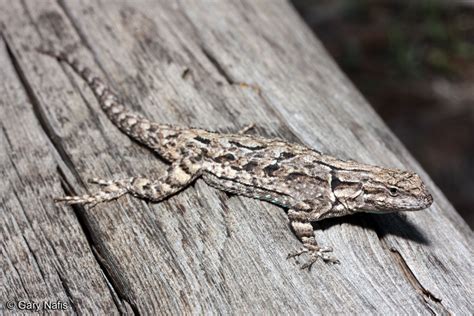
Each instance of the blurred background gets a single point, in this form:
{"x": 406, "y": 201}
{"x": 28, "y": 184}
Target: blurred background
{"x": 414, "y": 62}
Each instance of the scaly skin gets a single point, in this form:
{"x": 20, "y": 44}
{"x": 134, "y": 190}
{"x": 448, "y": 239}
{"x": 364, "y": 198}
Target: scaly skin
{"x": 311, "y": 185}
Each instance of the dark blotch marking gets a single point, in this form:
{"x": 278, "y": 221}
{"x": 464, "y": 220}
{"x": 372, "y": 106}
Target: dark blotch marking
{"x": 250, "y": 166}
{"x": 226, "y": 157}
{"x": 170, "y": 136}
{"x": 259, "y": 147}
{"x": 295, "y": 175}
{"x": 202, "y": 140}
{"x": 285, "y": 155}
{"x": 235, "y": 168}
{"x": 184, "y": 168}
{"x": 335, "y": 182}
{"x": 195, "y": 159}
{"x": 270, "y": 169}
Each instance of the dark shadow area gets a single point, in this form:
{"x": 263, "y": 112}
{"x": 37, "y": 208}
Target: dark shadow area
{"x": 383, "y": 224}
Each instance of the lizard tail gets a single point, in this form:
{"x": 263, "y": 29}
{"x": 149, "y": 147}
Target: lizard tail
{"x": 128, "y": 122}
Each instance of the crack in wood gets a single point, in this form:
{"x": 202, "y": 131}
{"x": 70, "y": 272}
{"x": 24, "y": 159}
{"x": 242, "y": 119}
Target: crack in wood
{"x": 413, "y": 280}
{"x": 118, "y": 298}
{"x": 220, "y": 69}
{"x": 56, "y": 144}
{"x": 39, "y": 112}
{"x": 21, "y": 280}
{"x": 7, "y": 138}
{"x": 115, "y": 289}
{"x": 34, "y": 257}
{"x": 67, "y": 290}
{"x": 426, "y": 295}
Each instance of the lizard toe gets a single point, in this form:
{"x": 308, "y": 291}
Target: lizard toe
{"x": 297, "y": 253}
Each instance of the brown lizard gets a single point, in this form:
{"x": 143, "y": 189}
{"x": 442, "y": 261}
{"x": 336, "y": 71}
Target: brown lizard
{"x": 311, "y": 185}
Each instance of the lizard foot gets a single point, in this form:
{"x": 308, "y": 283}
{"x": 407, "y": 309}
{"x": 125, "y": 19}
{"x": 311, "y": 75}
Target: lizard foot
{"x": 315, "y": 253}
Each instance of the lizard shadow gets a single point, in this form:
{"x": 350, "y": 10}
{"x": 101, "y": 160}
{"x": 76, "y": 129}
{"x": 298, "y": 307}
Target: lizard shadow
{"x": 382, "y": 224}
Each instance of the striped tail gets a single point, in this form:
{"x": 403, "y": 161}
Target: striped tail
{"x": 128, "y": 122}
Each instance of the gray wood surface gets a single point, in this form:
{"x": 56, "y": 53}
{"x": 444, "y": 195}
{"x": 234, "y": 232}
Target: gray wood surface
{"x": 218, "y": 65}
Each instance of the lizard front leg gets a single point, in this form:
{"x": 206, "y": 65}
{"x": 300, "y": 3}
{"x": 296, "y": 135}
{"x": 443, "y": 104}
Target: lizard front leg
{"x": 176, "y": 179}
{"x": 304, "y": 231}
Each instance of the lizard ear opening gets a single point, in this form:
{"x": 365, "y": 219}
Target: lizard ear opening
{"x": 335, "y": 182}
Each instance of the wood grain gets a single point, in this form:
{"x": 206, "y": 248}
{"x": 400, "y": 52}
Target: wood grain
{"x": 218, "y": 65}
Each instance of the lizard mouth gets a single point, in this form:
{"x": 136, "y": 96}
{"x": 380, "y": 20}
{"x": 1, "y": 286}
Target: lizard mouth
{"x": 423, "y": 202}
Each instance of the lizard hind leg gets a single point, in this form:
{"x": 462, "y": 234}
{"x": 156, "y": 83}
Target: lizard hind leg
{"x": 304, "y": 231}
{"x": 173, "y": 181}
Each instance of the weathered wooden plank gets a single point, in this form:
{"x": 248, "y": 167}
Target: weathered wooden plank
{"x": 44, "y": 253}
{"x": 202, "y": 250}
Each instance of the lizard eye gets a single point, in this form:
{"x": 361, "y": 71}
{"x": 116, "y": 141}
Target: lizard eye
{"x": 393, "y": 191}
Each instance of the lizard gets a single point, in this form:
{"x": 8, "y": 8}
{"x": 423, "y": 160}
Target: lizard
{"x": 312, "y": 186}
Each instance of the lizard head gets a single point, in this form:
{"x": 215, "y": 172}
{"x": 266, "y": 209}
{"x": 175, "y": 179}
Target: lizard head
{"x": 381, "y": 190}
